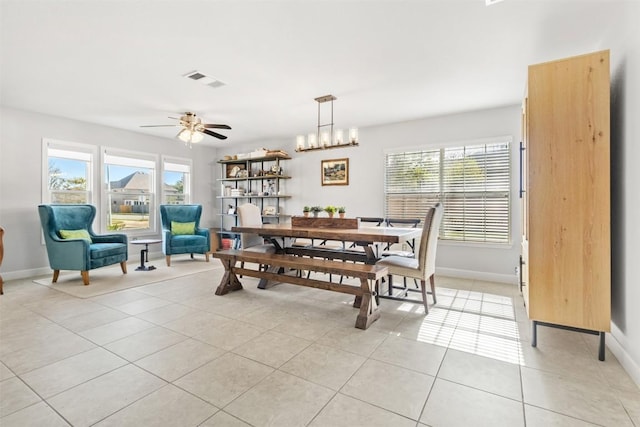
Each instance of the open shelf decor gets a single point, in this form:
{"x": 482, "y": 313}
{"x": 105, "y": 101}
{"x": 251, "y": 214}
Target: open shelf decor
{"x": 326, "y": 138}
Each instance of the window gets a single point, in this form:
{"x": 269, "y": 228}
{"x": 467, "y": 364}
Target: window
{"x": 471, "y": 181}
{"x": 176, "y": 181}
{"x": 129, "y": 180}
{"x": 67, "y": 172}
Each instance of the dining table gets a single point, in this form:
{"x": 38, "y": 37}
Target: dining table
{"x": 290, "y": 260}
{"x": 362, "y": 238}
{"x": 283, "y": 235}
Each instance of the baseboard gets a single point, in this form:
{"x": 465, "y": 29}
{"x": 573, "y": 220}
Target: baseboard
{"x": 616, "y": 345}
{"x": 26, "y": 274}
{"x": 477, "y": 275}
{"x": 34, "y": 272}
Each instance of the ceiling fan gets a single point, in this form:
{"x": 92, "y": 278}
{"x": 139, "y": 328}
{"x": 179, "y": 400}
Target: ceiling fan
{"x": 193, "y": 128}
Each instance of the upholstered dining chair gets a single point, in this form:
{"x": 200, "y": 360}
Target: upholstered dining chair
{"x": 181, "y": 232}
{"x": 72, "y": 244}
{"x": 402, "y": 222}
{"x": 424, "y": 266}
{"x": 389, "y": 250}
{"x": 249, "y": 215}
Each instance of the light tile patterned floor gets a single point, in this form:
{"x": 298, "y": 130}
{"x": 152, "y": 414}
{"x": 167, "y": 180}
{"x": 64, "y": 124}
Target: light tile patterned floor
{"x": 172, "y": 353}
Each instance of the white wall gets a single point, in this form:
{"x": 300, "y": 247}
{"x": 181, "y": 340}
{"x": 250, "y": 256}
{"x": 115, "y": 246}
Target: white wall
{"x": 21, "y": 136}
{"x": 364, "y": 195}
{"x": 625, "y": 207}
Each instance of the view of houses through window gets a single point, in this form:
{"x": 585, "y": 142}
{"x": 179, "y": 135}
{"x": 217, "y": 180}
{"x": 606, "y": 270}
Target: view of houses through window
{"x": 130, "y": 194}
{"x": 176, "y": 181}
{"x": 129, "y": 180}
{"x": 471, "y": 181}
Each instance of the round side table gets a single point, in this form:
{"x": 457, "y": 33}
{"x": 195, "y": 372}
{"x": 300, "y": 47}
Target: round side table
{"x": 144, "y": 253}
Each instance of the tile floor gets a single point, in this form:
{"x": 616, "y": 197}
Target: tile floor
{"x": 173, "y": 353}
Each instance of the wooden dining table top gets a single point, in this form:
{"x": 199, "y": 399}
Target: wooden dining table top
{"x": 362, "y": 234}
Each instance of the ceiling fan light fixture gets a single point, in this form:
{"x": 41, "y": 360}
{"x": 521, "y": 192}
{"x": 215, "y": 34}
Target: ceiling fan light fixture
{"x": 189, "y": 136}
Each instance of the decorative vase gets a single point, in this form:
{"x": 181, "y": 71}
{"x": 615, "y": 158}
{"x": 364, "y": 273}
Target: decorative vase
{"x": 330, "y": 214}
{"x": 341, "y": 214}
{"x": 306, "y": 214}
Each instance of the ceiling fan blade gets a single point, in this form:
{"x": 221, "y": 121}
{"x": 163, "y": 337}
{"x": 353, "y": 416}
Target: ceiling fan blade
{"x": 214, "y": 134}
{"x": 156, "y": 126}
{"x": 212, "y": 126}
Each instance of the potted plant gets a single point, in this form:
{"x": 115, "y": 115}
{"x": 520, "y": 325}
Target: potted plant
{"x": 306, "y": 210}
{"x": 341, "y": 211}
{"x": 330, "y": 210}
{"x": 315, "y": 210}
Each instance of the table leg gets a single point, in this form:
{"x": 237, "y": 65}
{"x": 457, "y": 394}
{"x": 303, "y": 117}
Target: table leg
{"x": 369, "y": 311}
{"x": 144, "y": 254}
{"x": 229, "y": 280}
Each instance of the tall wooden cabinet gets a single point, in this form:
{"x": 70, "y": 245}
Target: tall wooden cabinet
{"x": 566, "y": 249}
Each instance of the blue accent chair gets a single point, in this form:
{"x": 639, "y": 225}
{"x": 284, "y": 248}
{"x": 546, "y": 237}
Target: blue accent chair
{"x": 172, "y": 244}
{"x": 79, "y": 254}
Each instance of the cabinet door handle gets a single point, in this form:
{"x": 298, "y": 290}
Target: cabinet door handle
{"x": 521, "y": 171}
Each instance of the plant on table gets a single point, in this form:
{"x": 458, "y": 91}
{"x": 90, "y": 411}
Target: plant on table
{"x": 315, "y": 210}
{"x": 330, "y": 210}
{"x": 306, "y": 210}
{"x": 341, "y": 211}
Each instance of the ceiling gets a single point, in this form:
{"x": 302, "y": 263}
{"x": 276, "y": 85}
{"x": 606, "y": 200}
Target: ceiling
{"x": 121, "y": 63}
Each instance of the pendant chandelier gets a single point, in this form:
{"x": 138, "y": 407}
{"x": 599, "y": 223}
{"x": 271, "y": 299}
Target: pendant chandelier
{"x": 325, "y": 136}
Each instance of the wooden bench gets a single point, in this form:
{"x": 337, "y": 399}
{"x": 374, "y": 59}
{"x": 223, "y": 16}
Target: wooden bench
{"x": 282, "y": 268}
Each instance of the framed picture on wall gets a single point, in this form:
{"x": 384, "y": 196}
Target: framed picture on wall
{"x": 335, "y": 171}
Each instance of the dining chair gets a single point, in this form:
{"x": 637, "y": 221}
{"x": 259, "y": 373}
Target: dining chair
{"x": 368, "y": 221}
{"x": 389, "y": 251}
{"x": 423, "y": 267}
{"x": 402, "y": 222}
{"x": 249, "y": 215}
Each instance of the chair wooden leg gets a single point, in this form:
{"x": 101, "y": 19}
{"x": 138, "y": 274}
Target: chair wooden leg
{"x": 56, "y": 273}
{"x": 123, "y": 266}
{"x": 423, "y": 288}
{"x": 206, "y": 257}
{"x": 168, "y": 258}
{"x": 85, "y": 277}
{"x": 432, "y": 280}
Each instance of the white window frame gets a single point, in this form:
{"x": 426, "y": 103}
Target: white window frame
{"x": 135, "y": 159}
{"x": 440, "y": 195}
{"x": 74, "y": 151}
{"x": 177, "y": 164}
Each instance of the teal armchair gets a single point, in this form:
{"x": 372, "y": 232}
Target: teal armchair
{"x": 181, "y": 232}
{"x": 82, "y": 249}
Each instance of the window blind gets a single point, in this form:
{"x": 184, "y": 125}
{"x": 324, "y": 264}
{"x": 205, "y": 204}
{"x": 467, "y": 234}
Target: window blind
{"x": 472, "y": 182}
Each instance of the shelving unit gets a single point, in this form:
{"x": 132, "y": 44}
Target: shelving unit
{"x": 258, "y": 180}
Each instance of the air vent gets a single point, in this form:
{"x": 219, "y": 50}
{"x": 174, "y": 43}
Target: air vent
{"x": 195, "y": 76}
{"x": 204, "y": 79}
